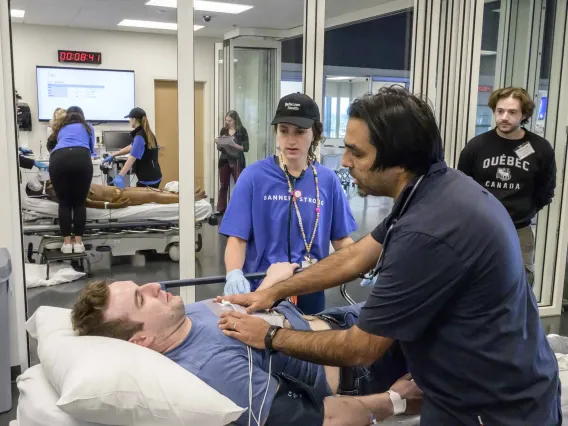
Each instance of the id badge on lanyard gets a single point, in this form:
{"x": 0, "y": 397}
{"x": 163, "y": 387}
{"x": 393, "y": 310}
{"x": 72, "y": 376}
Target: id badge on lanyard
{"x": 306, "y": 263}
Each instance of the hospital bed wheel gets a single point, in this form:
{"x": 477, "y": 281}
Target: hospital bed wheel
{"x": 174, "y": 252}
{"x": 198, "y": 243}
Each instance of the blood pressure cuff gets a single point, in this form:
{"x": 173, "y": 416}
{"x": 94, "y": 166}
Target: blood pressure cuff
{"x": 296, "y": 403}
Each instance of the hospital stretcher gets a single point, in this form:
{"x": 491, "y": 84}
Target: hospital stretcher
{"x": 37, "y": 402}
{"x": 148, "y": 227}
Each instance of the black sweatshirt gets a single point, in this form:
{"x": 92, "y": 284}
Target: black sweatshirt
{"x": 520, "y": 173}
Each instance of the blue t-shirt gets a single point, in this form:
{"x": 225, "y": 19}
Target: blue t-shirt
{"x": 222, "y": 362}
{"x": 75, "y": 135}
{"x": 261, "y": 198}
{"x": 452, "y": 289}
{"x": 137, "y": 151}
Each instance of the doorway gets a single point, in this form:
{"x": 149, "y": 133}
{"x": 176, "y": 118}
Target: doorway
{"x": 166, "y": 107}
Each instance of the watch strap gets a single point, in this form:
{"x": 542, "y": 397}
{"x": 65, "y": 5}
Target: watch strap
{"x": 272, "y": 330}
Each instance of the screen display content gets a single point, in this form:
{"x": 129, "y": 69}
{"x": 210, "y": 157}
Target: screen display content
{"x": 103, "y": 95}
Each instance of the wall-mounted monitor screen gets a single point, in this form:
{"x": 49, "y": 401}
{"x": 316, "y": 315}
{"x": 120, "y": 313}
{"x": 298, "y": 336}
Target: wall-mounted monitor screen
{"x": 103, "y": 95}
{"x": 116, "y": 140}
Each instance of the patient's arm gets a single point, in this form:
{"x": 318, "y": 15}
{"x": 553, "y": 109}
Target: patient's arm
{"x": 278, "y": 272}
{"x": 344, "y": 242}
{"x": 346, "y": 411}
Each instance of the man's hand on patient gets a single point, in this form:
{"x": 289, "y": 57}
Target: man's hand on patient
{"x": 248, "y": 329}
{"x": 260, "y": 300}
{"x": 278, "y": 272}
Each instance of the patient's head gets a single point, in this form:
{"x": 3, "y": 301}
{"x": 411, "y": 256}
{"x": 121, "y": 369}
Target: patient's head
{"x": 145, "y": 315}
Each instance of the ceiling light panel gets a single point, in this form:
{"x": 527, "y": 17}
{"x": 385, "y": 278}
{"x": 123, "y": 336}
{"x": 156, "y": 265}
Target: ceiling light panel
{"x": 15, "y": 13}
{"x": 205, "y": 6}
{"x": 153, "y": 25}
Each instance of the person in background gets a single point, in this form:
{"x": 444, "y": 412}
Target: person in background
{"x": 30, "y": 163}
{"x": 288, "y": 207}
{"x": 515, "y": 165}
{"x": 71, "y": 172}
{"x": 232, "y": 160}
{"x": 54, "y": 124}
{"x": 143, "y": 151}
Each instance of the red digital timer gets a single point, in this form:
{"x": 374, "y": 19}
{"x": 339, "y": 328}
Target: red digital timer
{"x": 76, "y": 57}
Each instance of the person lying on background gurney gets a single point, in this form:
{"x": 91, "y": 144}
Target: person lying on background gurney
{"x": 285, "y": 390}
{"x": 112, "y": 197}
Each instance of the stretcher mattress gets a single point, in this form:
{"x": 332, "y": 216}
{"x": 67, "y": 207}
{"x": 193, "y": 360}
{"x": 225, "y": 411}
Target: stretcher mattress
{"x": 36, "y": 208}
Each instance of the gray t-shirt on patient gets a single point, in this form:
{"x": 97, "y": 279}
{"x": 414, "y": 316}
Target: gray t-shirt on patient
{"x": 222, "y": 362}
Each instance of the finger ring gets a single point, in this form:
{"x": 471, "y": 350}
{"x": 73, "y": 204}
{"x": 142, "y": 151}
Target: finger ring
{"x": 235, "y": 326}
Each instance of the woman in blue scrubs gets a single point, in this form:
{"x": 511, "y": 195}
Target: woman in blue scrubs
{"x": 143, "y": 151}
{"x": 286, "y": 208}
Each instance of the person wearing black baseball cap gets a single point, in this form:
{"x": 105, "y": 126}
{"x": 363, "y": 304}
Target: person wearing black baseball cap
{"x": 286, "y": 208}
{"x": 143, "y": 151}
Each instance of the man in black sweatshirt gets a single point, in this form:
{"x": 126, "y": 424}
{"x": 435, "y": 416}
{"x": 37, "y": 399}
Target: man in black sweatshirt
{"x": 515, "y": 165}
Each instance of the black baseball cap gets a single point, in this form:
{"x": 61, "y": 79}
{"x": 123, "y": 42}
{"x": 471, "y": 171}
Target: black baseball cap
{"x": 136, "y": 113}
{"x": 297, "y": 109}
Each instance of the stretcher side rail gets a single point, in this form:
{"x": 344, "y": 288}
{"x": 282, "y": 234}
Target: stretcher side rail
{"x": 38, "y": 229}
{"x": 194, "y": 282}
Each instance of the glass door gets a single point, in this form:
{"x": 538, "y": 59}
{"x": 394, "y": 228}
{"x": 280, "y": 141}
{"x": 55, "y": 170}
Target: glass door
{"x": 254, "y": 90}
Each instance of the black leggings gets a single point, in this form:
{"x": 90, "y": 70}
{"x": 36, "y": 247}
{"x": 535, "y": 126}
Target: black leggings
{"x": 143, "y": 185}
{"x": 71, "y": 172}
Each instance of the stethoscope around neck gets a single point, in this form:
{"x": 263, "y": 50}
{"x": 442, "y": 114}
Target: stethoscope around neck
{"x": 371, "y": 275}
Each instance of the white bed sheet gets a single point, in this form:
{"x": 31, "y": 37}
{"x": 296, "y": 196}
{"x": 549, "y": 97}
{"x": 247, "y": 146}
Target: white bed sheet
{"x": 36, "y": 208}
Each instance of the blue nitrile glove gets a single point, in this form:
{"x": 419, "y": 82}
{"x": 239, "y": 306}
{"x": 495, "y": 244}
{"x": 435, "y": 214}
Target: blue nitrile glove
{"x": 119, "y": 182}
{"x": 25, "y": 151}
{"x": 108, "y": 159}
{"x": 40, "y": 165}
{"x": 236, "y": 283}
{"x": 369, "y": 282}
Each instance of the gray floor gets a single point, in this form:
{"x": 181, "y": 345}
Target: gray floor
{"x": 368, "y": 213}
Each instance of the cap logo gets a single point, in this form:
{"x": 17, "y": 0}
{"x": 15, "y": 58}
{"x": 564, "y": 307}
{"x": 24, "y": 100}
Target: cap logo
{"x": 292, "y": 106}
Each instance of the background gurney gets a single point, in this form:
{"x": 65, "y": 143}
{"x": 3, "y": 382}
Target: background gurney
{"x": 147, "y": 227}
{"x": 37, "y": 208}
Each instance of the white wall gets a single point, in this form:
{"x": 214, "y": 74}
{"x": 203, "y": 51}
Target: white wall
{"x": 151, "y": 56}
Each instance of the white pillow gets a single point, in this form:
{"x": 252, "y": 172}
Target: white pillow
{"x": 113, "y": 382}
{"x": 37, "y": 402}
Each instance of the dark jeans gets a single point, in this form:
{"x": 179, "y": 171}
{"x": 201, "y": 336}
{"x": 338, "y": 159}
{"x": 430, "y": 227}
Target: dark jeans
{"x": 226, "y": 170}
{"x": 71, "y": 172}
{"x": 385, "y": 371}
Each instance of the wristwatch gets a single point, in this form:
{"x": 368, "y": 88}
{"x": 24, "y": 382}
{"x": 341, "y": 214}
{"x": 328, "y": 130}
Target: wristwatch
{"x": 270, "y": 336}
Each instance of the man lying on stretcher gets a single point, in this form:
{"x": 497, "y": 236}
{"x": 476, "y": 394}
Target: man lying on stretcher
{"x": 285, "y": 390}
